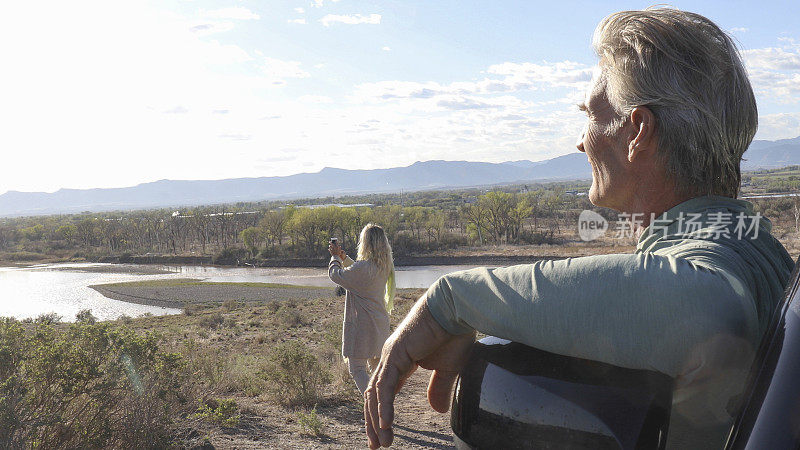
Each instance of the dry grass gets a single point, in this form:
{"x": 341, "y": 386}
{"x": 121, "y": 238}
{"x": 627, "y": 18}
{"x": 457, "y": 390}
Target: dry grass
{"x": 233, "y": 351}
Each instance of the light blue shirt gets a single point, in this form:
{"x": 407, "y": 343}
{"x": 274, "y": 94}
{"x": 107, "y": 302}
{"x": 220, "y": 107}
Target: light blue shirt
{"x": 692, "y": 302}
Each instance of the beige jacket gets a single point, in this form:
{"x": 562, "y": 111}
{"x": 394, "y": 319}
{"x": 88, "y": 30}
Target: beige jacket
{"x": 366, "y": 322}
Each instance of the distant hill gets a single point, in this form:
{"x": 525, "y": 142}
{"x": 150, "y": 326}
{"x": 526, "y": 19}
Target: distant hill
{"x": 329, "y": 181}
{"x": 772, "y": 154}
{"x": 425, "y": 175}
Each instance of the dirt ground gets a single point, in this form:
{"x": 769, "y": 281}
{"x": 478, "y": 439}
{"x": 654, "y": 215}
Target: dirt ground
{"x": 235, "y": 348}
{"x": 264, "y": 425}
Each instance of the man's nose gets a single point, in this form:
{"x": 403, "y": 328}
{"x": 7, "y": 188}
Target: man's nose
{"x": 579, "y": 144}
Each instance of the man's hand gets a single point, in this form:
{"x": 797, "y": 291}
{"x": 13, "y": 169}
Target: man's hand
{"x": 418, "y": 341}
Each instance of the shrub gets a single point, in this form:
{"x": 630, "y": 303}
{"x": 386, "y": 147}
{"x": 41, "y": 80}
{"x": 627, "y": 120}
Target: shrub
{"x": 310, "y": 423}
{"x": 192, "y": 309}
{"x": 85, "y": 316}
{"x": 48, "y": 318}
{"x": 209, "y": 365}
{"x": 124, "y": 319}
{"x": 211, "y": 321}
{"x": 289, "y": 317}
{"x": 297, "y": 376}
{"x": 537, "y": 238}
{"x": 223, "y": 372}
{"x": 230, "y": 304}
{"x": 332, "y": 335}
{"x": 24, "y": 256}
{"x": 273, "y": 306}
{"x": 229, "y": 322}
{"x": 230, "y": 256}
{"x": 223, "y": 412}
{"x": 86, "y": 386}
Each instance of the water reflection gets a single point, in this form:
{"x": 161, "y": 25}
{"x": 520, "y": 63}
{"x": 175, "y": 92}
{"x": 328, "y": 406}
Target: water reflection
{"x": 28, "y": 292}
{"x": 405, "y": 277}
{"x": 64, "y": 288}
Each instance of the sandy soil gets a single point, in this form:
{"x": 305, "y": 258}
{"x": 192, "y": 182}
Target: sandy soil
{"x": 177, "y": 293}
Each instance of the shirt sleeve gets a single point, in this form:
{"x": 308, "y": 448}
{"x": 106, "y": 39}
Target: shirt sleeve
{"x": 351, "y": 277}
{"x": 641, "y": 311}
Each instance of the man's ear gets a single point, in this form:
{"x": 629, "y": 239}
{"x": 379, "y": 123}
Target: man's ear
{"x": 643, "y": 133}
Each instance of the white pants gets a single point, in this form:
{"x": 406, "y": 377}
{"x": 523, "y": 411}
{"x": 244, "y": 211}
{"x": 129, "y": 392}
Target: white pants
{"x": 358, "y": 370}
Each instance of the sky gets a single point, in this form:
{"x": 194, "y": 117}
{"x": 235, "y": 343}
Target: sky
{"x": 107, "y": 93}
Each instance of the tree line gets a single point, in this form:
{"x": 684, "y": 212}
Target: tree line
{"x": 426, "y": 222}
{"x": 415, "y": 223}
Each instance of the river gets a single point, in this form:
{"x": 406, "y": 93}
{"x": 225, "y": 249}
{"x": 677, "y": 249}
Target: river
{"x": 64, "y": 288}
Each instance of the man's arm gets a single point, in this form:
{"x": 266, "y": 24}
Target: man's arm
{"x": 639, "y": 311}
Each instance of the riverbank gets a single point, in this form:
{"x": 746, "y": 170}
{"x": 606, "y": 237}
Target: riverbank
{"x": 485, "y": 255}
{"x": 181, "y": 292}
{"x": 495, "y": 255}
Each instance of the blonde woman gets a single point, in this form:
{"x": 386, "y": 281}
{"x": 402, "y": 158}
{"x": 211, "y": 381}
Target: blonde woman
{"x": 369, "y": 282}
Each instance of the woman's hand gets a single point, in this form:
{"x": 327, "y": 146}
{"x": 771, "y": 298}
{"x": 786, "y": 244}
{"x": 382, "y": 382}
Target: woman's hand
{"x": 335, "y": 250}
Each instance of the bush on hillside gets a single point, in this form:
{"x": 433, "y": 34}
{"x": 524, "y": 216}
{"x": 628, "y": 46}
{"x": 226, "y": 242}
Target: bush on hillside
{"x": 296, "y": 374}
{"x": 86, "y": 386}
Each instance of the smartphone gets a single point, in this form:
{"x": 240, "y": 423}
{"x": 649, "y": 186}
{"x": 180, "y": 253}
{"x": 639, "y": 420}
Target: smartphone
{"x": 334, "y": 241}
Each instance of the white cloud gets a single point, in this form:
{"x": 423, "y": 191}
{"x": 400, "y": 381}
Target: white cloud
{"x": 355, "y": 19}
{"x": 236, "y": 136}
{"x": 277, "y": 69}
{"x": 177, "y": 110}
{"x": 300, "y": 21}
{"x": 299, "y": 10}
{"x": 775, "y": 72}
{"x": 740, "y": 30}
{"x": 509, "y": 77}
{"x": 320, "y": 3}
{"x": 386, "y": 49}
{"x": 772, "y": 59}
{"x": 207, "y": 28}
{"x": 319, "y": 99}
{"x": 563, "y": 74}
{"x": 778, "y": 126}
{"x": 235, "y": 13}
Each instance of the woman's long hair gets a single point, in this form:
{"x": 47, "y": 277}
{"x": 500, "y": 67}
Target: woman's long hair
{"x": 373, "y": 245}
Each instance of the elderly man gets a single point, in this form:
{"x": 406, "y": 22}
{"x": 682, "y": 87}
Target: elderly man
{"x": 669, "y": 115}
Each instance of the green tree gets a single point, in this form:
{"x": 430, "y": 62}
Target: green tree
{"x": 306, "y": 228}
{"x": 477, "y": 218}
{"x": 498, "y": 205}
{"x": 252, "y": 238}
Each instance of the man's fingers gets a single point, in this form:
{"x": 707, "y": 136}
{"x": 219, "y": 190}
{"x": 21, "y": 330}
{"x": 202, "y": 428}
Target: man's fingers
{"x": 371, "y": 418}
{"x": 386, "y": 387}
{"x": 372, "y": 436}
{"x": 440, "y": 389}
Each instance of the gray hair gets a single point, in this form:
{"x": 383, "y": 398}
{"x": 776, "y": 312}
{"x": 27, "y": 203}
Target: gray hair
{"x": 688, "y": 72}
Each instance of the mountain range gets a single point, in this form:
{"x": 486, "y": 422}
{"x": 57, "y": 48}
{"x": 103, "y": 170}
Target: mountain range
{"x": 427, "y": 175}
